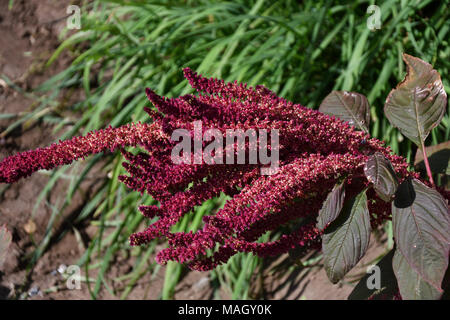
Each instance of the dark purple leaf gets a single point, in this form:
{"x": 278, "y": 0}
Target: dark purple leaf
{"x": 351, "y": 107}
{"x": 422, "y": 237}
{"x": 418, "y": 103}
{"x": 412, "y": 285}
{"x": 388, "y": 282}
{"x": 405, "y": 195}
{"x": 331, "y": 207}
{"x": 380, "y": 173}
{"x": 346, "y": 240}
{"x": 5, "y": 241}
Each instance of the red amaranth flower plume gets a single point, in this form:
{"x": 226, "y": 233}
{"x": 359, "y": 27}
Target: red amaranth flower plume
{"x": 316, "y": 151}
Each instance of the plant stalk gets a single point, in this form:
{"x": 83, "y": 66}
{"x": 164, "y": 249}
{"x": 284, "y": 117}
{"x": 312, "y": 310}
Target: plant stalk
{"x": 427, "y": 165}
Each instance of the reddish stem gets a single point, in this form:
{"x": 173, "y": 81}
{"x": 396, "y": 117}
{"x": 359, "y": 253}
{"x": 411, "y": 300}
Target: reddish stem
{"x": 427, "y": 165}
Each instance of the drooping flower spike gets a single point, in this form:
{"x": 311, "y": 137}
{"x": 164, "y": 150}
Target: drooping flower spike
{"x": 315, "y": 152}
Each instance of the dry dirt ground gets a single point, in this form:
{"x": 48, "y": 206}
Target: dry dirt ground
{"x": 29, "y": 34}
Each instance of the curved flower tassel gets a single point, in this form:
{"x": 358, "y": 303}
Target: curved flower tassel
{"x": 25, "y": 163}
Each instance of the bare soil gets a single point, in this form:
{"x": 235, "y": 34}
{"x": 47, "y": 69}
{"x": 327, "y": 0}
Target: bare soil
{"x": 29, "y": 35}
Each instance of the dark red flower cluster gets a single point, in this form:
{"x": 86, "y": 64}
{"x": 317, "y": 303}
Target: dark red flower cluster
{"x": 315, "y": 152}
